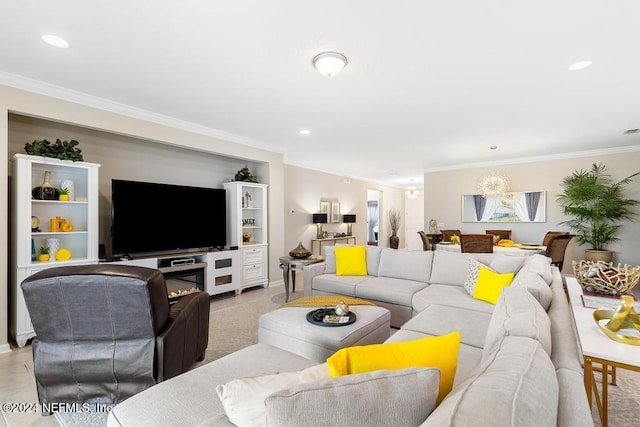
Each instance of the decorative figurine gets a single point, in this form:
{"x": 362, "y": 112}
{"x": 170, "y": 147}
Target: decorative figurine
{"x": 342, "y": 309}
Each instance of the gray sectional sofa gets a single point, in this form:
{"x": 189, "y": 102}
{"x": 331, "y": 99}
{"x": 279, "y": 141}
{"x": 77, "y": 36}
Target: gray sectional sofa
{"x": 518, "y": 364}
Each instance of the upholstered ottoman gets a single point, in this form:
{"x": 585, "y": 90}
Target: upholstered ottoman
{"x": 288, "y": 328}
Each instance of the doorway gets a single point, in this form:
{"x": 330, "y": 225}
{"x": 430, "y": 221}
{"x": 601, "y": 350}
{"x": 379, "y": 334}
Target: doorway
{"x": 374, "y": 227}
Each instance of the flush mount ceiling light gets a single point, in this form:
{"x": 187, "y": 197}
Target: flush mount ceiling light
{"x": 55, "y": 41}
{"x": 580, "y": 65}
{"x": 305, "y": 132}
{"x": 493, "y": 185}
{"x": 329, "y": 63}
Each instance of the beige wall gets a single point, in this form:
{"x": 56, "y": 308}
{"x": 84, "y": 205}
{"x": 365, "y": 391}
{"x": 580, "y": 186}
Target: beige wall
{"x": 443, "y": 198}
{"x": 108, "y": 136}
{"x": 303, "y": 189}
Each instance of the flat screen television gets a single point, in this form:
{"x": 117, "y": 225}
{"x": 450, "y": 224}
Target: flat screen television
{"x": 153, "y": 218}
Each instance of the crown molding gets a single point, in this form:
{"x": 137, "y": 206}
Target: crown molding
{"x": 533, "y": 159}
{"x": 71, "y": 95}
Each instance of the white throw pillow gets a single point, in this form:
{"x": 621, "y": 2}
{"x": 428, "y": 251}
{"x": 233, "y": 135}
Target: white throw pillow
{"x": 243, "y": 398}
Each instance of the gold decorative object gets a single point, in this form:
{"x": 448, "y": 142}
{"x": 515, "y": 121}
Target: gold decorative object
{"x": 342, "y": 309}
{"x": 300, "y": 252}
{"x": 623, "y": 317}
{"x": 605, "y": 278}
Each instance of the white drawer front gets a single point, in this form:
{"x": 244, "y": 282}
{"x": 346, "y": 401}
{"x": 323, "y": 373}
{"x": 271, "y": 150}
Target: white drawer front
{"x": 253, "y": 255}
{"x": 253, "y": 272}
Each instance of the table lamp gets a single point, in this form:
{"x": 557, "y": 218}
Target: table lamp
{"x": 349, "y": 219}
{"x": 318, "y": 220}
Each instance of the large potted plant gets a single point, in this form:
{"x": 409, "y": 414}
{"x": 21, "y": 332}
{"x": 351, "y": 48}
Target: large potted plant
{"x": 597, "y": 205}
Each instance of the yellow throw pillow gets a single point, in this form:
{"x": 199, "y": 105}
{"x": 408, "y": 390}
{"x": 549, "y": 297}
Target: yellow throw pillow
{"x": 351, "y": 260}
{"x": 431, "y": 352}
{"x": 489, "y": 285}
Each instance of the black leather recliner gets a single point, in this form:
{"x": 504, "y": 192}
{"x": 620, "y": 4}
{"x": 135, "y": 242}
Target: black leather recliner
{"x": 106, "y": 332}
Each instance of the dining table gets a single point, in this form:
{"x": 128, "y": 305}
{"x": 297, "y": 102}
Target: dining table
{"x": 518, "y": 249}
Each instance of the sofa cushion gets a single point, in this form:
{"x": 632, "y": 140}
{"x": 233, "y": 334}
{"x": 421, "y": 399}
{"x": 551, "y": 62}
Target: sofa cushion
{"x": 518, "y": 314}
{"x": 541, "y": 265}
{"x": 536, "y": 286}
{"x": 450, "y": 268}
{"x": 409, "y": 265}
{"x": 383, "y": 397}
{"x": 243, "y": 398}
{"x": 440, "y": 352}
{"x": 506, "y": 264}
{"x": 338, "y": 285}
{"x": 394, "y": 291}
{"x": 440, "y": 319}
{"x": 452, "y": 296}
{"x": 515, "y": 386}
{"x": 373, "y": 259}
{"x": 490, "y": 284}
{"x": 351, "y": 261}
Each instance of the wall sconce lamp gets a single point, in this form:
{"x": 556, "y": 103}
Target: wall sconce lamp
{"x": 318, "y": 220}
{"x": 349, "y": 219}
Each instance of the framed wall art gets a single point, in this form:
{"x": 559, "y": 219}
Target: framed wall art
{"x": 325, "y": 207}
{"x": 335, "y": 212}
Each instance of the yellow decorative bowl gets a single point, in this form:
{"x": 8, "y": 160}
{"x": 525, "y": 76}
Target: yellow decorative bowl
{"x": 506, "y": 243}
{"x": 605, "y": 278}
{"x": 63, "y": 254}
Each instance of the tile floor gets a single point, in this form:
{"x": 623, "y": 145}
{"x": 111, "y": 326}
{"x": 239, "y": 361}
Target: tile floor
{"x": 17, "y": 384}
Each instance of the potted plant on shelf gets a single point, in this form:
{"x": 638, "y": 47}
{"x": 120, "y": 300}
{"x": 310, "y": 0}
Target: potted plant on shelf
{"x": 64, "y": 195}
{"x": 394, "y": 222}
{"x": 43, "y": 254}
{"x": 597, "y": 205}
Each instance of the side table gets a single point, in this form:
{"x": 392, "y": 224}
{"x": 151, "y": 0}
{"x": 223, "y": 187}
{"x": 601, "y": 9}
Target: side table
{"x": 290, "y": 264}
{"x": 599, "y": 349}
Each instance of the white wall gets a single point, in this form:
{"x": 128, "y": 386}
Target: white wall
{"x": 444, "y": 190}
{"x": 303, "y": 189}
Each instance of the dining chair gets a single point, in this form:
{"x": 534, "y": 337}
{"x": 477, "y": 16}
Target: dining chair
{"x": 556, "y": 248}
{"x": 446, "y": 234}
{"x": 504, "y": 234}
{"x": 549, "y": 235}
{"x": 476, "y": 243}
{"x": 426, "y": 245}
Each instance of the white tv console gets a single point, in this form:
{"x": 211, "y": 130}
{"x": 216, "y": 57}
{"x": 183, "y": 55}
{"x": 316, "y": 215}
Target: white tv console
{"x": 221, "y": 268}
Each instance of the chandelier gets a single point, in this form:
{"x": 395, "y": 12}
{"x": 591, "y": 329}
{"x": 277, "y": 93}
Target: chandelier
{"x": 493, "y": 185}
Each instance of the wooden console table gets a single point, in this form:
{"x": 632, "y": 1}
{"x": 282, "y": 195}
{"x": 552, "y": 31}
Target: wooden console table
{"x": 331, "y": 240}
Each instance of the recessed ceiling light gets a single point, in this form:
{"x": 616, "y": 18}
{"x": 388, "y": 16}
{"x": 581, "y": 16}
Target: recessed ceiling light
{"x": 55, "y": 41}
{"x": 630, "y": 131}
{"x": 493, "y": 147}
{"x": 305, "y": 132}
{"x": 580, "y": 65}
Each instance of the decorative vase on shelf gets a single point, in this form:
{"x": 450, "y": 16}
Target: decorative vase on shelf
{"x": 394, "y": 241}
{"x": 53, "y": 245}
{"x": 300, "y": 252}
{"x": 46, "y": 191}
